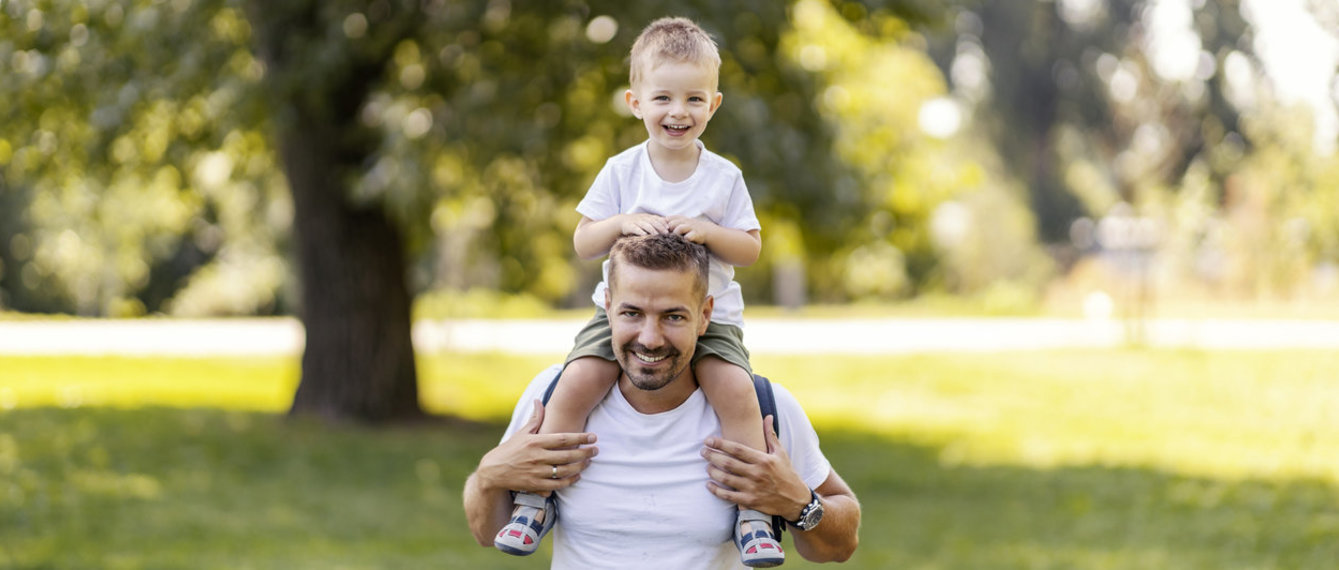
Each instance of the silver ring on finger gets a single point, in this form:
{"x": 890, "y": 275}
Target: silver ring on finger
{"x": 555, "y": 472}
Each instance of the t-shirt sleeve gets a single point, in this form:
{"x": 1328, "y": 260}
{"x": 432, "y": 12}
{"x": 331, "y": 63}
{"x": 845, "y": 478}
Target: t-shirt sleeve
{"x": 602, "y": 199}
{"x": 800, "y": 440}
{"x": 739, "y": 212}
{"x": 525, "y": 405}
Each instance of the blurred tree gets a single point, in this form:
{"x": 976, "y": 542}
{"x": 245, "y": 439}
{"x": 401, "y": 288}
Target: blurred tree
{"x": 322, "y": 61}
{"x": 1082, "y": 103}
{"x": 142, "y": 138}
{"x": 1162, "y": 105}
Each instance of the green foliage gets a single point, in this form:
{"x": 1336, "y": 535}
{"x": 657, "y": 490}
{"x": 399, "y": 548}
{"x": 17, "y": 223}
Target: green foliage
{"x": 139, "y": 148}
{"x": 139, "y": 172}
{"x": 130, "y": 159}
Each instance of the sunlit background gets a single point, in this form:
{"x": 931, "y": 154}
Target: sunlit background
{"x": 1056, "y": 280}
{"x": 1023, "y": 155}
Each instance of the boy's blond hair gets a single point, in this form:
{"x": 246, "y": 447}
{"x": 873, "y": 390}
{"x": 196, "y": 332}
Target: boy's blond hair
{"x": 672, "y": 40}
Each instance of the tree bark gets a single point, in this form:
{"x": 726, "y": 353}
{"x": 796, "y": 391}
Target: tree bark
{"x": 359, "y": 358}
{"x": 358, "y": 363}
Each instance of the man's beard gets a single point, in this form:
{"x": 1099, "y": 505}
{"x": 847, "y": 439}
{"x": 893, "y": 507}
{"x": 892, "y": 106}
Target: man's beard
{"x": 647, "y": 379}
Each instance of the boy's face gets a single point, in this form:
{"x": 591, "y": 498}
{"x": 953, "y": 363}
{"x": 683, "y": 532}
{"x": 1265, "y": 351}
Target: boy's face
{"x": 675, "y": 100}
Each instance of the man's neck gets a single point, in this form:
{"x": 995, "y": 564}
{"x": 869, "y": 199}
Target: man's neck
{"x": 667, "y": 398}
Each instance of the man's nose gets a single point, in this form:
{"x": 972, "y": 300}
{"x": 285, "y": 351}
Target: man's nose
{"x": 650, "y": 335}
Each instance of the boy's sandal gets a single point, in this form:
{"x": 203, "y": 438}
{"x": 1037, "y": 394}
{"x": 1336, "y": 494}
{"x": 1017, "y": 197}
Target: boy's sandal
{"x": 757, "y": 549}
{"x": 522, "y": 534}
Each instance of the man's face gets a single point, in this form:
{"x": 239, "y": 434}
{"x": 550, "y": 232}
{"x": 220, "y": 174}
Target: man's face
{"x": 656, "y": 317}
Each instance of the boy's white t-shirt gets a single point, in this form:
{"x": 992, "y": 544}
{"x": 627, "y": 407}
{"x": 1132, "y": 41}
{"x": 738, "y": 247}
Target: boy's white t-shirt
{"x": 628, "y": 184}
{"x": 643, "y": 502}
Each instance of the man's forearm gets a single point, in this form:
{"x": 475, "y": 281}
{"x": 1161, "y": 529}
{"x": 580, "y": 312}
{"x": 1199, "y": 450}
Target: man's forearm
{"x": 837, "y": 535}
{"x": 487, "y": 510}
{"x": 835, "y": 539}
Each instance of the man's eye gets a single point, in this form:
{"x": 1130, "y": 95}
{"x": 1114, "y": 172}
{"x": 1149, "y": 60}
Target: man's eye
{"x": 628, "y": 314}
{"x": 674, "y": 318}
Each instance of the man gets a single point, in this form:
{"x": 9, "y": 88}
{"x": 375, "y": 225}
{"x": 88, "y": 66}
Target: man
{"x": 661, "y": 490}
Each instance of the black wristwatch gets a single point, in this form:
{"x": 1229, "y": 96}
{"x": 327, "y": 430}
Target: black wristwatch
{"x": 810, "y": 515}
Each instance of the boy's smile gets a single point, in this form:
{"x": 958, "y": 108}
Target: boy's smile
{"x": 675, "y": 100}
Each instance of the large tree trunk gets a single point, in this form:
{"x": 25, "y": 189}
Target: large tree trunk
{"x": 359, "y": 359}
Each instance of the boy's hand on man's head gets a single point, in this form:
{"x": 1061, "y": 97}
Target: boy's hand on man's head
{"x": 643, "y": 224}
{"x": 692, "y": 229}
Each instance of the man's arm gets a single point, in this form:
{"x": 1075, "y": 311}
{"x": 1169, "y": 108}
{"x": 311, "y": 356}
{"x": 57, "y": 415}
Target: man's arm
{"x": 768, "y": 482}
{"x": 837, "y": 535}
{"x": 525, "y": 462}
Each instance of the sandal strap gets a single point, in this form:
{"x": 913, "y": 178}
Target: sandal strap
{"x": 530, "y": 500}
{"x": 752, "y": 515}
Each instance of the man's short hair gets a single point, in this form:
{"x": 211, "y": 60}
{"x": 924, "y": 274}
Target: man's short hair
{"x": 661, "y": 252}
{"x": 672, "y": 40}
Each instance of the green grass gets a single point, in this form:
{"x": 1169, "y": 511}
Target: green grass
{"x": 1064, "y": 459}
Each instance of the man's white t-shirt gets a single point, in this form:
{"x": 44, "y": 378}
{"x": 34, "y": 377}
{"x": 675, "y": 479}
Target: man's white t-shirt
{"x": 643, "y": 502}
{"x": 628, "y": 184}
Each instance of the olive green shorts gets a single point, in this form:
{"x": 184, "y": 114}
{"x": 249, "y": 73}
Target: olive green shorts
{"x": 723, "y": 341}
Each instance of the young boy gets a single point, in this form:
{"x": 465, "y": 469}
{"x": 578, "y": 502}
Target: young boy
{"x": 670, "y": 183}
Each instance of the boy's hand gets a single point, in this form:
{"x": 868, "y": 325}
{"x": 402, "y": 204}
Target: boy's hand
{"x": 643, "y": 224}
{"x": 692, "y": 229}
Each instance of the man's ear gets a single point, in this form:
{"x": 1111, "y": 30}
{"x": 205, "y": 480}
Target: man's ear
{"x": 634, "y": 104}
{"x": 608, "y": 298}
{"x": 707, "y": 306}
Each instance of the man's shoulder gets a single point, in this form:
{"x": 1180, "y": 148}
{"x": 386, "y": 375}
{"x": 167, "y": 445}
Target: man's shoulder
{"x": 541, "y": 382}
{"x": 784, "y": 399}
{"x": 533, "y": 391}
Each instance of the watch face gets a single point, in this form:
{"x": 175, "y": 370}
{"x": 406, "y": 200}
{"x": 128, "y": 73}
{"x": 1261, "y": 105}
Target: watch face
{"x": 812, "y": 514}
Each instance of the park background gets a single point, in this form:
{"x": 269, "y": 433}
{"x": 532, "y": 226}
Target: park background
{"x": 1136, "y": 201}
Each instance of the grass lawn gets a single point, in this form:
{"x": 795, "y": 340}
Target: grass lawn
{"x": 1064, "y": 459}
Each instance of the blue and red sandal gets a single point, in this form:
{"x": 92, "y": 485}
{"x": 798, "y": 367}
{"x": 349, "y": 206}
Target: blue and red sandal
{"x": 522, "y": 535}
{"x": 757, "y": 549}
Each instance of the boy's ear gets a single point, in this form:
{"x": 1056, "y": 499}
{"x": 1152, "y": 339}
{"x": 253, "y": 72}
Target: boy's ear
{"x": 634, "y": 104}
{"x": 716, "y": 102}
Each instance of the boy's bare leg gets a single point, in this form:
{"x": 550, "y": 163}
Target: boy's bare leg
{"x": 730, "y": 391}
{"x": 585, "y": 381}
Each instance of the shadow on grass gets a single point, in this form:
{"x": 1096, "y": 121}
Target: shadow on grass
{"x": 204, "y": 488}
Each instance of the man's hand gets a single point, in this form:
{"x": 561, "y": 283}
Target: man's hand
{"x": 642, "y": 224}
{"x": 692, "y": 229}
{"x": 528, "y": 461}
{"x": 761, "y": 481}
{"x": 766, "y": 482}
